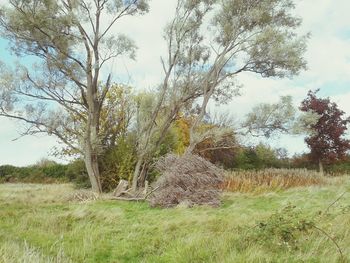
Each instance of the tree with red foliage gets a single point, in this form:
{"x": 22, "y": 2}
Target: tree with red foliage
{"x": 326, "y": 141}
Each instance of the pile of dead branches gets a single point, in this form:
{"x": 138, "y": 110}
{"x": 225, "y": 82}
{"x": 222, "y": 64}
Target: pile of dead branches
{"x": 187, "y": 179}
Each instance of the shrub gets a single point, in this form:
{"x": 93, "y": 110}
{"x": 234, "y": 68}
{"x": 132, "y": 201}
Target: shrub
{"x": 51, "y": 172}
{"x": 76, "y": 173}
{"x": 339, "y": 168}
{"x": 118, "y": 163}
{"x": 7, "y": 171}
{"x": 258, "y": 157}
{"x": 284, "y": 228}
{"x": 187, "y": 179}
{"x": 55, "y": 171}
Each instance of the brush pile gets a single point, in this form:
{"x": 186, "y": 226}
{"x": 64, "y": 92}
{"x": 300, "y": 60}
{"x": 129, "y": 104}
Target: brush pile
{"x": 187, "y": 179}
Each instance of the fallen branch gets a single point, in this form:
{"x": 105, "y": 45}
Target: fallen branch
{"x": 155, "y": 189}
{"x": 333, "y": 240}
{"x": 133, "y": 198}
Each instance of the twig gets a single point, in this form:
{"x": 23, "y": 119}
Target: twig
{"x": 333, "y": 203}
{"x": 332, "y": 239}
{"x": 155, "y": 189}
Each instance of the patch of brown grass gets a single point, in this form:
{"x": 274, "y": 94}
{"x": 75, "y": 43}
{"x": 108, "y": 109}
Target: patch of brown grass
{"x": 271, "y": 179}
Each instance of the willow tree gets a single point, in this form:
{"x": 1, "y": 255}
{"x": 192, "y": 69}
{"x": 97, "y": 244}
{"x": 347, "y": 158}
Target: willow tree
{"x": 249, "y": 36}
{"x": 64, "y": 92}
{"x": 210, "y": 43}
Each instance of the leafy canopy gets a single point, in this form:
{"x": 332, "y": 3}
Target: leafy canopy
{"x": 327, "y": 142}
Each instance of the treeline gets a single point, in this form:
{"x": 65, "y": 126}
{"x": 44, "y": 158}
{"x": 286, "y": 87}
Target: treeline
{"x": 46, "y": 172}
{"x": 51, "y": 172}
{"x": 118, "y": 163}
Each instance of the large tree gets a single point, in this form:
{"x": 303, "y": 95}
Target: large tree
{"x": 326, "y": 141}
{"x": 210, "y": 43}
{"x": 65, "y": 92}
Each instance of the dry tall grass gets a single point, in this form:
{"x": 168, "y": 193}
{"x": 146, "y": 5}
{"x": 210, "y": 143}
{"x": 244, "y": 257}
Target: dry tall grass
{"x": 35, "y": 193}
{"x": 271, "y": 179}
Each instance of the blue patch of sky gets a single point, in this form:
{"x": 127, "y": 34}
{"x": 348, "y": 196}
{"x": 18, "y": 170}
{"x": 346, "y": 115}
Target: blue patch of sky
{"x": 334, "y": 88}
{"x": 8, "y": 57}
{"x": 5, "y": 53}
{"x": 328, "y": 88}
{"x": 36, "y": 143}
{"x": 344, "y": 34}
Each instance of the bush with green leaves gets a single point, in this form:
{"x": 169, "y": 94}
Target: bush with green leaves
{"x": 289, "y": 228}
{"x": 283, "y": 229}
{"x": 118, "y": 163}
{"x": 50, "y": 172}
{"x": 8, "y": 171}
{"x": 258, "y": 157}
{"x": 76, "y": 173}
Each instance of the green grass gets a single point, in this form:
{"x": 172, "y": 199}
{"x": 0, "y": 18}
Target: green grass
{"x": 38, "y": 224}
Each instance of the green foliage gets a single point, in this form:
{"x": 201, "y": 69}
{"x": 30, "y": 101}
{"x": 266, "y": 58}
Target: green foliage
{"x": 290, "y": 228}
{"x": 67, "y": 93}
{"x": 245, "y": 159}
{"x": 339, "y": 168}
{"x": 258, "y": 157}
{"x": 6, "y": 171}
{"x": 169, "y": 144}
{"x": 118, "y": 162}
{"x": 267, "y": 119}
{"x": 76, "y": 173}
{"x": 48, "y": 172}
{"x": 283, "y": 228}
{"x": 51, "y": 169}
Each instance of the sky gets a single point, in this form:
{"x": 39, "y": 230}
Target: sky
{"x": 328, "y": 58}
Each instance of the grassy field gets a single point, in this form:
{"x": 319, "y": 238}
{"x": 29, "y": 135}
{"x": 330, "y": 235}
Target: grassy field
{"x": 39, "y": 224}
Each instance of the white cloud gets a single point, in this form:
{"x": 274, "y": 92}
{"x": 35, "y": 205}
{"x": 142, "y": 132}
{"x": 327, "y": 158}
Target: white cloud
{"x": 147, "y": 32}
{"x": 328, "y": 58}
{"x": 329, "y": 47}
{"x": 24, "y": 151}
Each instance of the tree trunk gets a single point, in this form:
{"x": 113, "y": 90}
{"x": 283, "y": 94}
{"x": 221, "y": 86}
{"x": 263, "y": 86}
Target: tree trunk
{"x": 197, "y": 121}
{"x": 91, "y": 164}
{"x": 136, "y": 174}
{"x": 143, "y": 174}
{"x": 320, "y": 166}
{"x": 190, "y": 148}
{"x": 91, "y": 146}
